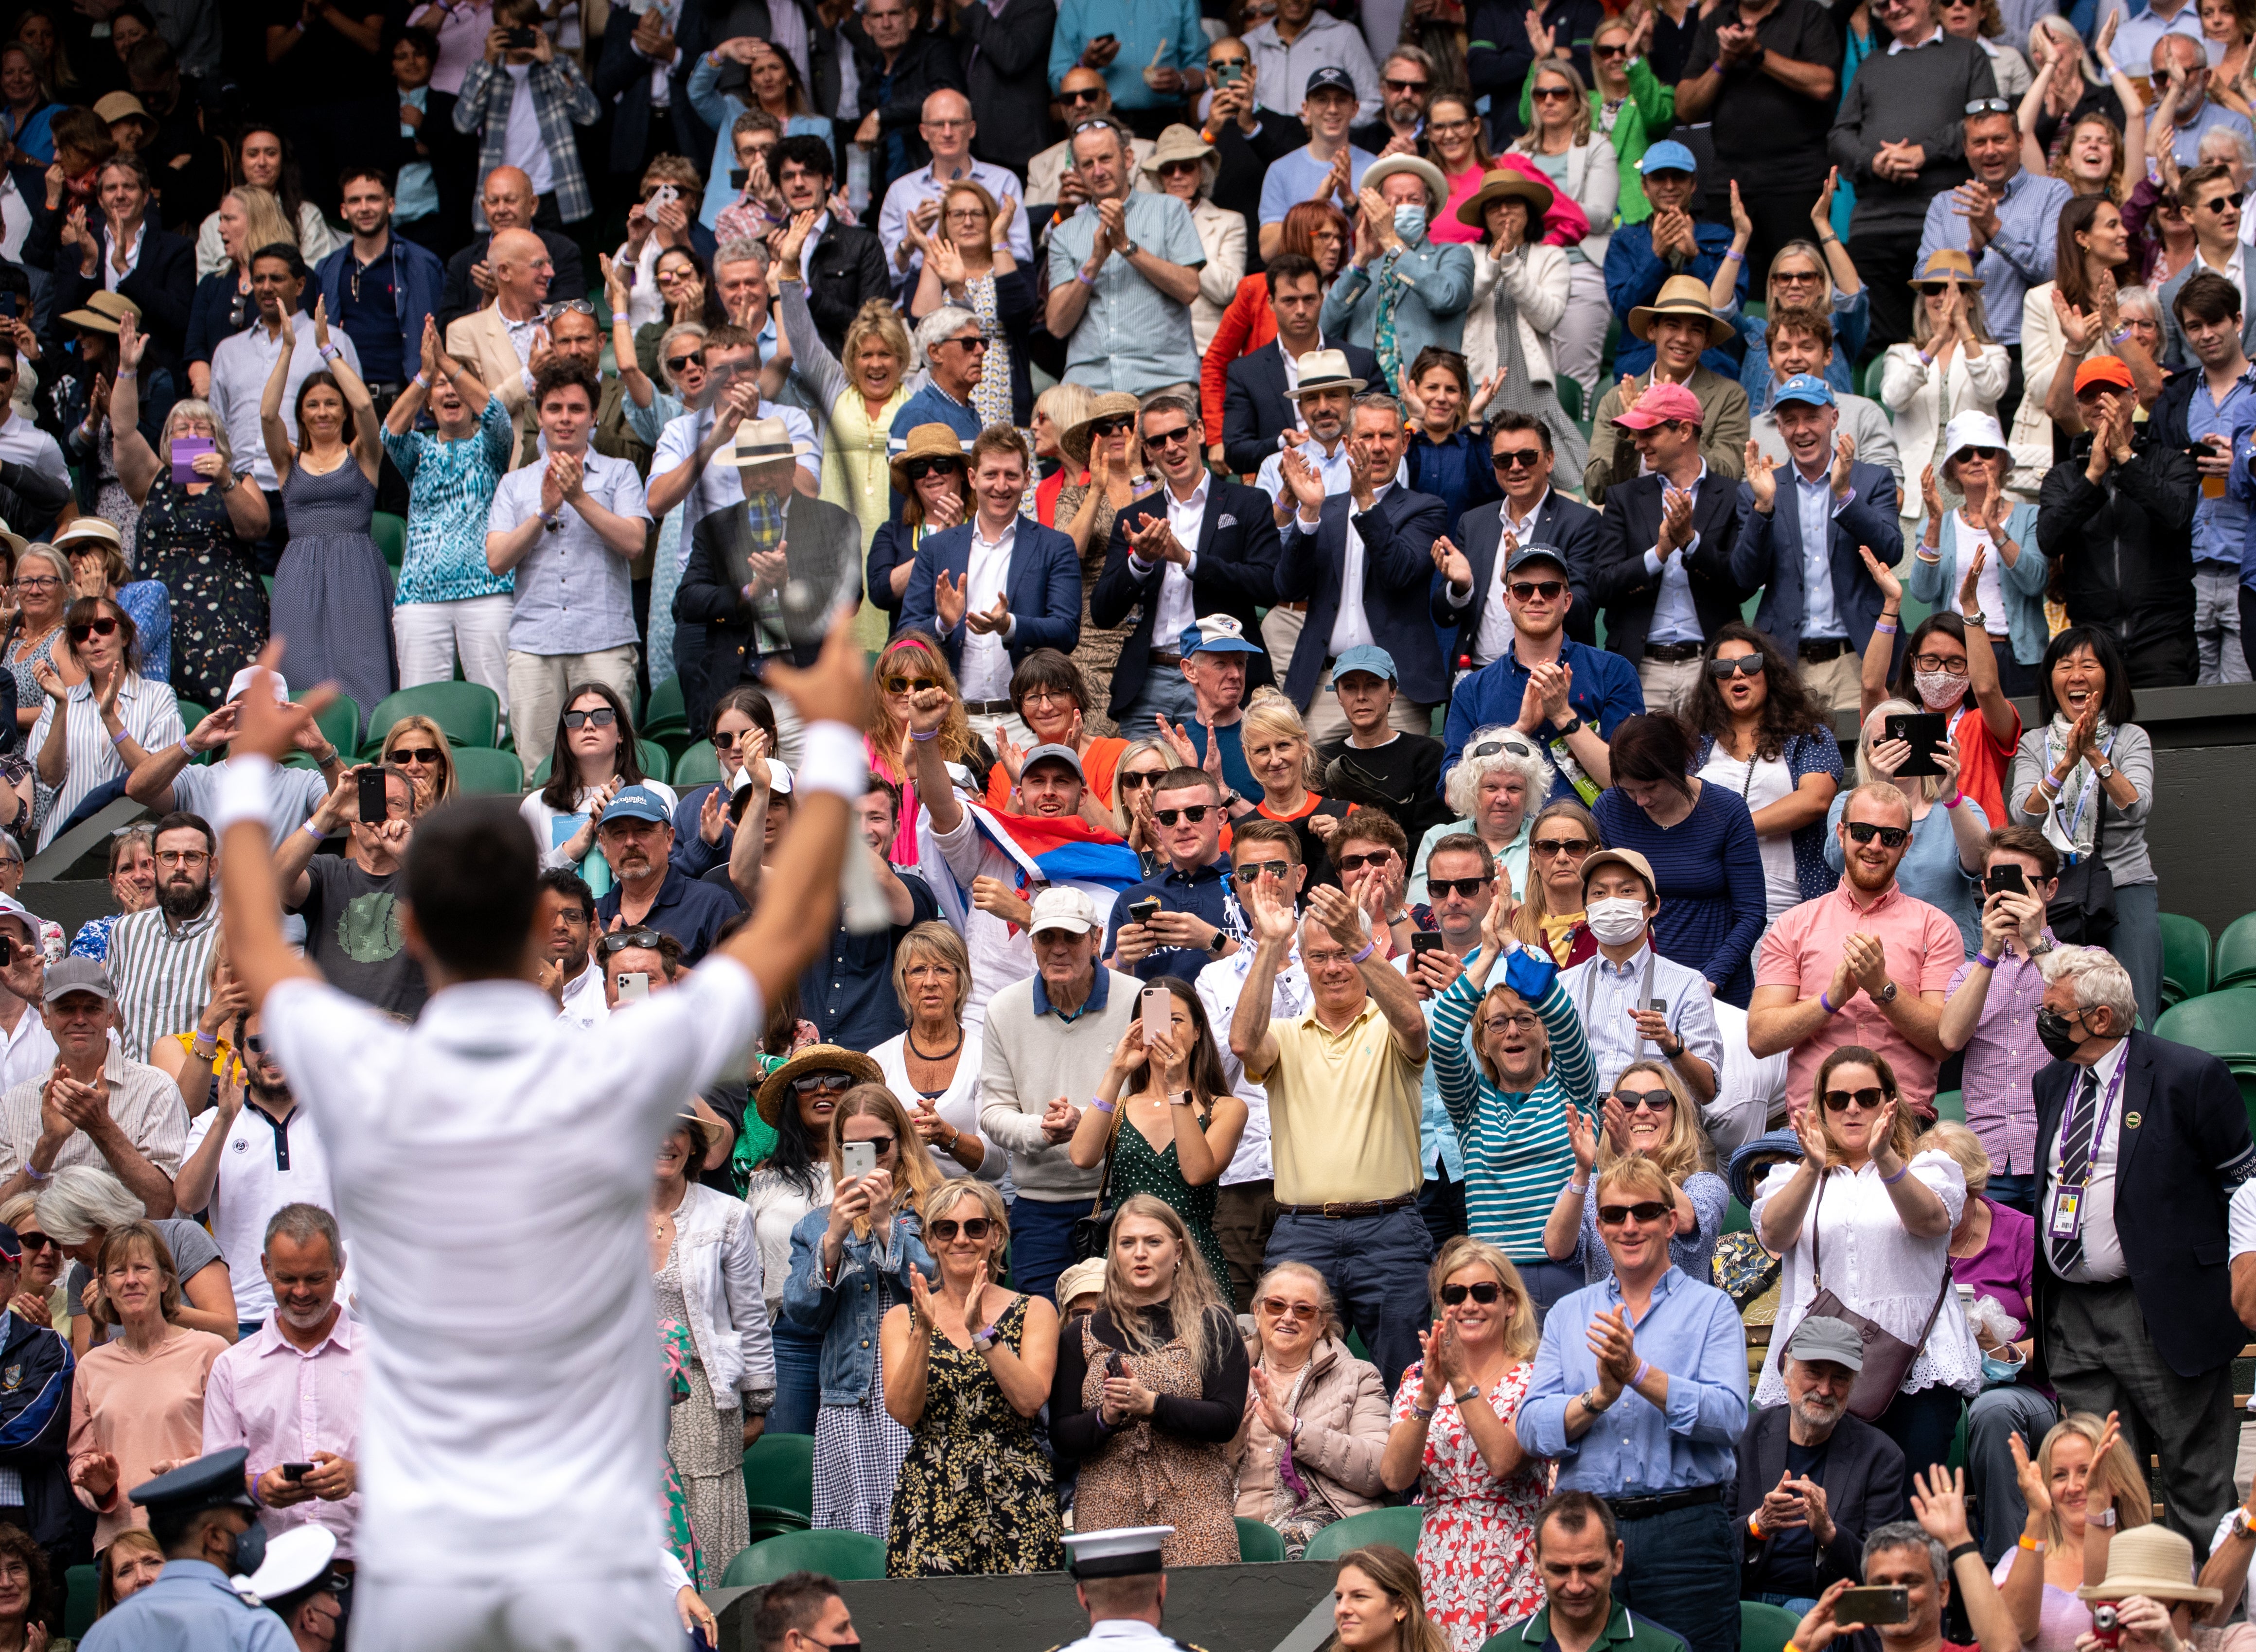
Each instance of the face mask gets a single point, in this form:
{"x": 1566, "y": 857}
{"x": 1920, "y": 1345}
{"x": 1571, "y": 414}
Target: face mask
{"x": 2058, "y": 1035}
{"x": 1616, "y": 923}
{"x": 249, "y": 1549}
{"x": 1995, "y": 1371}
{"x": 1410, "y": 223}
{"x": 1938, "y": 690}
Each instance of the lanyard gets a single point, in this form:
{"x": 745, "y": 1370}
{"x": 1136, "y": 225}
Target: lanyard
{"x": 2099, "y": 1124}
{"x": 2084, "y": 796}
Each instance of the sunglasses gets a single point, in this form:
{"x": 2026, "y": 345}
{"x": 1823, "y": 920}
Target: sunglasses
{"x": 602, "y": 716}
{"x": 1278, "y": 1307}
{"x": 1170, "y": 168}
{"x": 883, "y": 1144}
{"x": 94, "y": 628}
{"x": 1357, "y": 863}
{"x": 646, "y": 939}
{"x": 1742, "y": 666}
{"x": 1989, "y": 106}
{"x": 675, "y": 364}
{"x": 1280, "y": 870}
{"x": 37, "y": 1242}
{"x": 810, "y": 1083}
{"x": 1545, "y": 94}
{"x": 2232, "y": 201}
{"x": 1643, "y": 1211}
{"x": 1194, "y": 814}
{"x": 1529, "y": 590}
{"x": 1098, "y": 123}
{"x": 1467, "y": 887}
{"x": 1609, "y": 52}
{"x": 1166, "y": 438}
{"x": 1489, "y": 748}
{"x": 1484, "y": 1293}
{"x": 1863, "y": 831}
{"x": 255, "y": 1043}
{"x": 946, "y": 1228}
{"x": 1867, "y": 1100}
{"x": 427, "y": 755}
{"x": 1138, "y": 780}
{"x": 918, "y": 470}
{"x": 1645, "y": 1100}
{"x": 725, "y": 742}
{"x": 1406, "y": 86}
{"x": 910, "y": 685}
{"x": 1083, "y": 95}
{"x": 1111, "y": 424}
{"x": 1551, "y": 848}
{"x": 1517, "y": 459}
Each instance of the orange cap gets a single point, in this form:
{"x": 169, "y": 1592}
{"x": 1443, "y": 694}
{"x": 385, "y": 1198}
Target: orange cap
{"x": 2103, "y": 370}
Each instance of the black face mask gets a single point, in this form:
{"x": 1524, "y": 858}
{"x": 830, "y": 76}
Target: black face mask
{"x": 2058, "y": 1035}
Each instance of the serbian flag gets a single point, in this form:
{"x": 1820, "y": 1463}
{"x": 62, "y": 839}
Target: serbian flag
{"x": 1042, "y": 849}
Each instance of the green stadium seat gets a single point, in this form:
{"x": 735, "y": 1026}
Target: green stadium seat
{"x": 1259, "y": 1543}
{"x": 1868, "y": 381}
{"x": 848, "y": 1555}
{"x": 192, "y": 714}
{"x": 82, "y": 1589}
{"x": 1738, "y": 1218}
{"x": 1397, "y": 1526}
{"x": 466, "y": 712}
{"x": 664, "y": 709}
{"x": 779, "y": 1479}
{"x": 340, "y": 726}
{"x": 656, "y": 764}
{"x": 2186, "y": 950}
{"x": 1570, "y": 396}
{"x": 2224, "y": 1023}
{"x": 390, "y": 534}
{"x": 2235, "y": 955}
{"x": 696, "y": 767}
{"x": 1951, "y": 1104}
{"x": 483, "y": 772}
{"x": 1764, "y": 1627}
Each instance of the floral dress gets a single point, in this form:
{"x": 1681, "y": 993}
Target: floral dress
{"x": 676, "y": 1353}
{"x": 975, "y": 1497}
{"x": 1477, "y": 1553}
{"x": 1140, "y": 1167}
{"x": 219, "y": 606}
{"x": 705, "y": 1443}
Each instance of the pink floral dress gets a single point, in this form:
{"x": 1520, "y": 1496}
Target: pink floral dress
{"x": 1476, "y": 1552}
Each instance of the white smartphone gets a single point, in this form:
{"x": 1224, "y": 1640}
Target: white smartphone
{"x": 664, "y": 196}
{"x": 1158, "y": 1012}
{"x": 859, "y": 1158}
{"x": 634, "y": 987}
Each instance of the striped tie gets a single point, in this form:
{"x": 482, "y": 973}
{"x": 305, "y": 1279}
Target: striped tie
{"x": 2076, "y": 1151}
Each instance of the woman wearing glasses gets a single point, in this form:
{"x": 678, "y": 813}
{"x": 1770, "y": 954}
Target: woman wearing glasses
{"x": 935, "y": 1065}
{"x": 596, "y": 757}
{"x": 743, "y": 727}
{"x": 910, "y": 662}
{"x": 1316, "y": 1415}
{"x": 1948, "y": 665}
{"x": 1646, "y": 1111}
{"x": 1106, "y": 446}
{"x": 968, "y": 1365}
{"x": 1581, "y": 165}
{"x": 850, "y": 1262}
{"x": 934, "y": 481}
{"x": 1500, "y": 779}
{"x": 968, "y": 263}
{"x": 690, "y": 296}
{"x": 1758, "y": 733}
{"x": 418, "y": 748}
{"x": 1452, "y": 1437}
{"x": 1051, "y": 698}
{"x": 1803, "y": 275}
{"x": 1982, "y": 561}
{"x": 1186, "y": 166}
{"x": 101, "y": 716}
{"x": 1951, "y": 369}
{"x": 40, "y": 593}
{"x": 1135, "y": 783}
{"x": 1866, "y": 1196}
{"x": 1560, "y": 838}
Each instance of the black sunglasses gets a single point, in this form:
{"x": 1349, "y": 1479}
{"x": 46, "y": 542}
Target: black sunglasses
{"x": 883, "y": 1144}
{"x": 423, "y": 754}
{"x": 1469, "y": 887}
{"x": 1529, "y": 590}
{"x": 255, "y": 1043}
{"x": 946, "y": 1228}
{"x": 1644, "y": 1211}
{"x": 603, "y": 716}
{"x": 1740, "y": 666}
{"x": 1111, "y": 424}
{"x": 1280, "y": 870}
{"x": 1864, "y": 831}
{"x": 1868, "y": 1099}
{"x": 1645, "y": 1100}
{"x": 918, "y": 470}
{"x": 1550, "y": 847}
{"x": 37, "y": 1242}
{"x": 1194, "y": 814}
{"x": 675, "y": 364}
{"x": 646, "y": 940}
{"x": 1166, "y": 438}
{"x": 102, "y": 627}
{"x": 1609, "y": 52}
{"x": 2232, "y": 201}
{"x": 1081, "y": 94}
{"x": 808, "y": 1083}
{"x": 1484, "y": 1293}
{"x": 1137, "y": 779}
{"x": 1357, "y": 863}
{"x": 1517, "y": 458}
{"x": 1407, "y": 86}
{"x": 910, "y": 685}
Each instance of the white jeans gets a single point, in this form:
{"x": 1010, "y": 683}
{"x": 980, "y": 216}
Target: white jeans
{"x": 432, "y": 636}
{"x": 516, "y": 1612}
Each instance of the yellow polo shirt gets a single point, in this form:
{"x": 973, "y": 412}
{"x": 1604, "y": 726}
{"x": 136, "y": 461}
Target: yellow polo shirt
{"x": 1344, "y": 1110}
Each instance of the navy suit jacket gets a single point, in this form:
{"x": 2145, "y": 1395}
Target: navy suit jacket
{"x": 1769, "y": 553}
{"x": 1631, "y": 527}
{"x": 1398, "y": 533}
{"x": 1237, "y": 575}
{"x": 621, "y": 77}
{"x": 1043, "y": 590}
{"x": 1863, "y": 1475}
{"x": 1567, "y": 526}
{"x": 2182, "y": 1147}
{"x": 1255, "y": 410}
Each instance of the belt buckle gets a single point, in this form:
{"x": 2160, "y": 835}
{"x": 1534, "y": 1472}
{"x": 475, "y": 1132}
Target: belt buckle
{"x": 1336, "y": 1209}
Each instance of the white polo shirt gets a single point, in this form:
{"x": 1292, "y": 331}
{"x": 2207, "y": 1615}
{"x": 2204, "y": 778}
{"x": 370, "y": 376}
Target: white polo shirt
{"x": 264, "y": 1167}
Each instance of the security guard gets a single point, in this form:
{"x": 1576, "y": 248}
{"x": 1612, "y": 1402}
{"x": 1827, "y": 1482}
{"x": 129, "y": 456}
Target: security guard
{"x": 1120, "y": 1583}
{"x": 301, "y": 1585}
{"x": 203, "y": 1516}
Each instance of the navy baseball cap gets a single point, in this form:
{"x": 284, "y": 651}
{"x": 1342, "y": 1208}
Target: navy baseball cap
{"x": 1331, "y": 79}
{"x": 1528, "y": 553}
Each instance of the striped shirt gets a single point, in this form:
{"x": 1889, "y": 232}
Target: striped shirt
{"x": 151, "y": 715}
{"x": 145, "y": 1104}
{"x": 1517, "y": 1155}
{"x": 450, "y": 489}
{"x": 162, "y": 974}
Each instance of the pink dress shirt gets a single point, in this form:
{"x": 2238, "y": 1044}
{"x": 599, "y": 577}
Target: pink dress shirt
{"x": 283, "y": 1404}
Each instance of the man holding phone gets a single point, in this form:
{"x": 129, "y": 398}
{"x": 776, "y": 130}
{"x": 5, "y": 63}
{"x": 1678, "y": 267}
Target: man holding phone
{"x": 1917, "y": 1564}
{"x": 1461, "y": 887}
{"x": 1181, "y": 920}
{"x": 349, "y": 901}
{"x": 1634, "y": 1002}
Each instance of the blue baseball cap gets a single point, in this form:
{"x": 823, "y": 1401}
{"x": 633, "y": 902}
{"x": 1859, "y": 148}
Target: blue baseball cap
{"x": 1528, "y": 553}
{"x": 1366, "y": 656}
{"x": 1216, "y": 634}
{"x": 1668, "y": 155}
{"x": 638, "y": 802}
{"x": 1804, "y": 387}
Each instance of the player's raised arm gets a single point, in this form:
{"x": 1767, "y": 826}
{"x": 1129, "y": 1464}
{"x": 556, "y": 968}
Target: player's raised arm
{"x": 250, "y": 901}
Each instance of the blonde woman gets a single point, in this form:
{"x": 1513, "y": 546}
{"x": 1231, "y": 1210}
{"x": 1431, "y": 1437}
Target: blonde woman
{"x": 1950, "y": 366}
{"x": 1453, "y": 1435}
{"x": 1378, "y": 1604}
{"x": 935, "y": 1065}
{"x": 911, "y": 662}
{"x": 418, "y": 747}
{"x": 1582, "y": 166}
{"x": 1646, "y": 1111}
{"x": 249, "y": 218}
{"x": 1150, "y": 1390}
{"x": 1282, "y": 757}
{"x": 968, "y": 1364}
{"x": 968, "y": 261}
{"x": 857, "y": 400}
{"x": 1981, "y": 22}
{"x": 1561, "y": 836}
{"x": 1056, "y": 411}
{"x": 1802, "y": 275}
{"x": 850, "y": 1262}
{"x": 2083, "y": 1486}
{"x": 1135, "y": 782}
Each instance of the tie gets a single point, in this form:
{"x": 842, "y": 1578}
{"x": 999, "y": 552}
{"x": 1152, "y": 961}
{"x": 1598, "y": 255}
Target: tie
{"x": 2075, "y": 1155}
{"x": 1384, "y": 344}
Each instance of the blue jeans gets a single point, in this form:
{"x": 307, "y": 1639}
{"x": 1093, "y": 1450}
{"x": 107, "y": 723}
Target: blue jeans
{"x": 1166, "y": 694}
{"x": 2018, "y": 1191}
{"x": 1376, "y": 1266}
{"x": 799, "y": 1378}
{"x": 1547, "y": 1281}
{"x": 1041, "y": 1242}
{"x": 1682, "y": 1569}
{"x": 1441, "y": 1202}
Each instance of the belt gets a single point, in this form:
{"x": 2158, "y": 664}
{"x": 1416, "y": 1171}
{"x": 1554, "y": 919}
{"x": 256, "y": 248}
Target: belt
{"x": 989, "y": 708}
{"x": 1346, "y": 1209}
{"x": 1166, "y": 657}
{"x": 1822, "y": 648}
{"x": 1664, "y": 1503}
{"x": 1297, "y": 608}
{"x": 1673, "y": 651}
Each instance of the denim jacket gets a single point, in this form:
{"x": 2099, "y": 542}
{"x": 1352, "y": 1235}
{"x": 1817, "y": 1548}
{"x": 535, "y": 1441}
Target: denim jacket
{"x": 873, "y": 1274}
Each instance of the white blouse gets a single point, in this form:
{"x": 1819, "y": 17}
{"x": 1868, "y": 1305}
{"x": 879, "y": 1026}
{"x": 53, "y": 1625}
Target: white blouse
{"x": 777, "y": 1205}
{"x": 1878, "y": 1268}
{"x": 958, "y": 1104}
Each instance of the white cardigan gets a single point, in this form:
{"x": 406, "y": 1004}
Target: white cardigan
{"x": 2042, "y": 346}
{"x": 720, "y": 1266}
{"x": 1537, "y": 279}
{"x": 1923, "y": 402}
{"x": 1222, "y": 237}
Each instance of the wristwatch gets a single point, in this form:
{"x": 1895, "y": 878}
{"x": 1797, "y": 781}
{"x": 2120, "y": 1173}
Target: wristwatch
{"x": 1590, "y": 1399}
{"x": 2105, "y": 771}
{"x": 1220, "y": 941}
{"x": 1129, "y": 250}
{"x": 984, "y": 1340}
{"x": 1888, "y": 994}
{"x": 2240, "y": 1523}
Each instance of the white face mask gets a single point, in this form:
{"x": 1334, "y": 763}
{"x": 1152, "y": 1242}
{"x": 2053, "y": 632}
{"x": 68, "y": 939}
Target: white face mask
{"x": 1938, "y": 690}
{"x": 1617, "y": 922}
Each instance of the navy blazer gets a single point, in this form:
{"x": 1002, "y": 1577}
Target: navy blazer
{"x": 621, "y": 77}
{"x": 1256, "y": 410}
{"x": 1630, "y": 525}
{"x": 1043, "y": 590}
{"x": 1398, "y": 533}
{"x": 2182, "y": 1147}
{"x": 1567, "y": 526}
{"x": 1863, "y": 1475}
{"x": 1236, "y": 573}
{"x": 1769, "y": 553}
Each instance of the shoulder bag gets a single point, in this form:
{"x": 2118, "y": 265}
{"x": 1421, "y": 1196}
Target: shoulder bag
{"x": 1888, "y": 1358}
{"x": 2082, "y": 911}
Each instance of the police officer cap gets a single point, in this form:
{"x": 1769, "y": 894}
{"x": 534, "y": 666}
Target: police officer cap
{"x": 1125, "y": 1551}
{"x": 209, "y": 1482}
{"x": 295, "y": 1561}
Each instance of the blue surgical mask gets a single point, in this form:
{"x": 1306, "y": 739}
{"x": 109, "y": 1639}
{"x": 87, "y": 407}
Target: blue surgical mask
{"x": 1410, "y": 224}
{"x": 1996, "y": 1371}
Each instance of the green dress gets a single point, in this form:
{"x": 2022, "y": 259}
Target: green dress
{"x": 1140, "y": 1167}
{"x": 975, "y": 1496}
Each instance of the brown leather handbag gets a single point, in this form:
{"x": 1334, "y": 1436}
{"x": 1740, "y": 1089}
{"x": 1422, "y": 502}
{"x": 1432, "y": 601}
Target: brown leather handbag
{"x": 1888, "y": 1358}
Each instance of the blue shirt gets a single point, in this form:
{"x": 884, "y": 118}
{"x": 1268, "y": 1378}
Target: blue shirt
{"x": 1293, "y": 178}
{"x": 1675, "y": 618}
{"x": 450, "y": 493}
{"x": 189, "y": 1608}
{"x": 2220, "y": 527}
{"x": 2019, "y": 257}
{"x": 2185, "y": 144}
{"x": 1099, "y": 989}
{"x": 1139, "y": 25}
{"x": 1605, "y": 693}
{"x": 1691, "y": 1332}
{"x": 416, "y": 193}
{"x": 1205, "y": 892}
{"x": 689, "y": 909}
{"x": 1713, "y": 905}
{"x": 848, "y": 993}
{"x": 1234, "y": 770}
{"x": 1820, "y": 616}
{"x": 1132, "y": 337}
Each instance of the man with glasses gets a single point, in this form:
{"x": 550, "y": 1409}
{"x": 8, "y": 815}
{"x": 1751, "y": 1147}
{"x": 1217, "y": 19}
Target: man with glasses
{"x": 648, "y": 891}
{"x": 2005, "y": 218}
{"x": 351, "y": 902}
{"x": 1205, "y": 545}
{"x": 1303, "y": 40}
{"x": 1635, "y": 1004}
{"x": 160, "y": 958}
{"x": 379, "y": 286}
{"x": 1196, "y": 921}
{"x": 1866, "y": 963}
{"x": 2212, "y": 204}
{"x": 1531, "y": 513}
{"x": 2181, "y": 82}
{"x": 498, "y": 342}
{"x": 624, "y": 954}
{"x": 1123, "y": 270}
{"x": 2212, "y": 406}
{"x": 947, "y": 129}
{"x": 1055, "y": 186}
{"x": 1406, "y": 82}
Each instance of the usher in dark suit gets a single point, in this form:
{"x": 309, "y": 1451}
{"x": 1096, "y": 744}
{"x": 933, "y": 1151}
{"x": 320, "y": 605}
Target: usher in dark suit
{"x": 1564, "y": 525}
{"x": 1397, "y": 534}
{"x": 2156, "y": 1346}
{"x": 1631, "y": 527}
{"x": 1256, "y": 410}
{"x": 1234, "y": 572}
{"x": 1863, "y": 1473}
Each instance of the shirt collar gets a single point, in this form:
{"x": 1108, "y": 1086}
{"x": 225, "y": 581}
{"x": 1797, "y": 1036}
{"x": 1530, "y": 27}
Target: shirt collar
{"x": 1891, "y": 893}
{"x": 1671, "y": 1277}
{"x": 1197, "y": 501}
{"x": 1632, "y": 965}
{"x": 1196, "y": 874}
{"x": 1505, "y": 515}
{"x": 1895, "y": 46}
{"x": 196, "y": 928}
{"x": 2104, "y": 1069}
{"x": 979, "y": 534}
{"x": 270, "y": 1339}
{"x": 1099, "y": 989}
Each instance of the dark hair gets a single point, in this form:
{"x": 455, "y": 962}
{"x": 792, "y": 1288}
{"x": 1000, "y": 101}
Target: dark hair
{"x": 2207, "y": 297}
{"x": 562, "y": 372}
{"x": 1290, "y": 266}
{"x": 2120, "y": 708}
{"x": 86, "y": 610}
{"x": 783, "y": 1013}
{"x": 352, "y": 174}
{"x": 1281, "y": 833}
{"x": 810, "y": 151}
{"x": 1572, "y": 1512}
{"x": 2194, "y": 179}
{"x": 710, "y": 313}
{"x": 1654, "y": 749}
{"x": 15, "y": 1540}
{"x": 424, "y": 41}
{"x": 289, "y": 189}
{"x": 2068, "y": 262}
{"x": 1801, "y": 318}
{"x": 2026, "y": 840}
{"x": 1046, "y": 669}
{"x": 127, "y": 162}
{"x": 1511, "y": 419}
{"x": 751, "y": 699}
{"x": 324, "y": 379}
{"x": 789, "y": 1603}
{"x": 564, "y": 881}
{"x": 1434, "y": 356}
{"x": 1951, "y": 626}
{"x": 180, "y": 820}
{"x": 1209, "y": 1081}
{"x": 796, "y": 1157}
{"x": 1787, "y": 711}
{"x": 151, "y": 59}
{"x": 81, "y": 128}
{"x": 471, "y": 883}
{"x": 563, "y": 792}
{"x": 287, "y": 253}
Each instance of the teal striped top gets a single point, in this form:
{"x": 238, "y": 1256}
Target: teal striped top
{"x": 1517, "y": 1154}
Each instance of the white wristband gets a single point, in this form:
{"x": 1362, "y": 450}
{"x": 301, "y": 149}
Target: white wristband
{"x": 831, "y": 759}
{"x": 245, "y": 783}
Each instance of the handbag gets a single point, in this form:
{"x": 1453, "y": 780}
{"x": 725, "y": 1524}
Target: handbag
{"x": 2082, "y": 911}
{"x": 1092, "y": 1234}
{"x": 1888, "y": 1358}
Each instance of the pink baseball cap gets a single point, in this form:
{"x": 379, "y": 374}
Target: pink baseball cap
{"x": 1658, "y": 402}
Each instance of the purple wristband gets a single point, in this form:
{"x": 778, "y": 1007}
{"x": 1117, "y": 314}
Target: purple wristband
{"x": 1369, "y": 947}
{"x": 1890, "y": 1181}
{"x": 1830, "y": 1007}
{"x": 1985, "y": 960}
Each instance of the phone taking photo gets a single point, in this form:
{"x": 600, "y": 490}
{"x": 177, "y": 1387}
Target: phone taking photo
{"x": 2006, "y": 875}
{"x": 1159, "y": 1011}
{"x": 375, "y": 807}
{"x": 1872, "y": 1607}
{"x": 858, "y": 1158}
{"x": 634, "y": 986}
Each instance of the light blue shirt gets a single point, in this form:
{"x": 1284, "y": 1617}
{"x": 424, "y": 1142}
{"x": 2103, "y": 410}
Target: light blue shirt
{"x": 1691, "y": 1332}
{"x": 574, "y": 595}
{"x": 2019, "y": 257}
{"x": 191, "y": 1607}
{"x": 1674, "y": 618}
{"x": 1132, "y": 337}
{"x": 1440, "y": 1153}
{"x": 1295, "y": 178}
{"x": 2220, "y": 527}
{"x": 2185, "y": 145}
{"x": 2142, "y": 27}
{"x": 416, "y": 195}
{"x": 1139, "y": 25}
{"x": 1814, "y": 504}
{"x": 1604, "y": 992}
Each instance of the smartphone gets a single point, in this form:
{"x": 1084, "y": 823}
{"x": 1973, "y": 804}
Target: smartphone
{"x": 1872, "y": 1607}
{"x": 375, "y": 807}
{"x": 520, "y": 39}
{"x": 1425, "y": 941}
{"x": 296, "y": 1471}
{"x": 7, "y": 951}
{"x": 664, "y": 196}
{"x": 1231, "y": 73}
{"x": 634, "y": 987}
{"x": 1115, "y": 1366}
{"x": 1144, "y": 910}
{"x": 859, "y": 1158}
{"x": 1923, "y": 730}
{"x": 739, "y": 176}
{"x": 2006, "y": 875}
{"x": 8, "y": 303}
{"x": 1659, "y": 1006}
{"x": 1101, "y": 38}
{"x": 1158, "y": 1012}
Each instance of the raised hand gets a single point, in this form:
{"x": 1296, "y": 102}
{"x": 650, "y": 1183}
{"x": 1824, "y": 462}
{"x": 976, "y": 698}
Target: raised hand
{"x": 1762, "y": 475}
{"x": 1178, "y": 741}
{"x": 1742, "y": 225}
{"x": 1582, "y": 1140}
{"x": 132, "y": 340}
{"x": 1968, "y": 586}
{"x": 1821, "y": 213}
{"x": 1844, "y": 455}
{"x": 1930, "y": 496}
{"x": 1451, "y": 563}
{"x": 949, "y": 601}
{"x": 1340, "y": 913}
{"x": 1884, "y": 576}
{"x": 1817, "y": 1148}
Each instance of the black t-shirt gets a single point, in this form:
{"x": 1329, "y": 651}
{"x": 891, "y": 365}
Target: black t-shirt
{"x": 1789, "y": 1560}
{"x": 324, "y": 69}
{"x": 1760, "y": 124}
{"x": 352, "y": 936}
{"x": 1402, "y": 779}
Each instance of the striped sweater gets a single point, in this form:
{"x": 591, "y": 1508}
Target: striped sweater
{"x": 1517, "y": 1155}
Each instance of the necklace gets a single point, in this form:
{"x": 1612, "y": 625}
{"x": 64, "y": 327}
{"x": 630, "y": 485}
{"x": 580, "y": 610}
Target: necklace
{"x": 910, "y": 1040}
